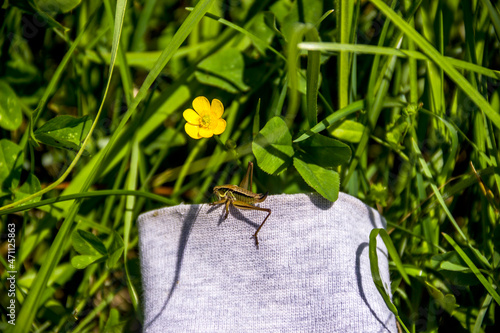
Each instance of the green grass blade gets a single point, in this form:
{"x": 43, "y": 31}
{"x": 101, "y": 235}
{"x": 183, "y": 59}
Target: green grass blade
{"x": 377, "y": 88}
{"x": 147, "y": 59}
{"x": 299, "y": 30}
{"x": 345, "y": 14}
{"x": 92, "y": 314}
{"x": 394, "y": 254}
{"x": 126, "y": 76}
{"x": 120, "y": 7}
{"x": 312, "y": 79}
{"x": 31, "y": 304}
{"x": 187, "y": 164}
{"x": 243, "y": 31}
{"x": 440, "y": 61}
{"x": 58, "y": 72}
{"x": 323, "y": 17}
{"x": 489, "y": 287}
{"x": 427, "y": 173}
{"x": 430, "y": 15}
{"x": 84, "y": 195}
{"x": 376, "y": 275}
{"x": 388, "y": 51}
{"x": 416, "y": 166}
{"x": 138, "y": 38}
{"x": 481, "y": 314}
{"x": 336, "y": 116}
{"x": 129, "y": 218}
{"x": 412, "y": 63}
{"x": 201, "y": 164}
{"x": 374, "y": 111}
{"x": 450, "y": 161}
{"x": 175, "y": 96}
{"x": 375, "y": 76}
{"x": 494, "y": 15}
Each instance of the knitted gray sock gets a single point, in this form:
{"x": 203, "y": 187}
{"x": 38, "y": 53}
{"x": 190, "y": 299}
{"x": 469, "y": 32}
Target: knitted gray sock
{"x": 311, "y": 272}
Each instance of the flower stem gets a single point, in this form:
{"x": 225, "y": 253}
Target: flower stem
{"x": 219, "y": 141}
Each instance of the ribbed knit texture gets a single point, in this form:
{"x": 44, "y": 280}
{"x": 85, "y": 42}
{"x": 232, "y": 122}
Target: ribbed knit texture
{"x": 311, "y": 272}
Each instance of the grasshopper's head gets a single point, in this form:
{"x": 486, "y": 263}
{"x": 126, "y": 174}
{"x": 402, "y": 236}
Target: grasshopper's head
{"x": 220, "y": 192}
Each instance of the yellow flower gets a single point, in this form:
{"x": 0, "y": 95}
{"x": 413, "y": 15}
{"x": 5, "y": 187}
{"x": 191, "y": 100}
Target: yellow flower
{"x": 205, "y": 120}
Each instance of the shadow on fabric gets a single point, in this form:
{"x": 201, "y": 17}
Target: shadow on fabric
{"x": 359, "y": 279}
{"x": 320, "y": 202}
{"x": 187, "y": 225}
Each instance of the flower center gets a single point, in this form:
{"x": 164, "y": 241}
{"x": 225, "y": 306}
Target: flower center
{"x": 205, "y": 121}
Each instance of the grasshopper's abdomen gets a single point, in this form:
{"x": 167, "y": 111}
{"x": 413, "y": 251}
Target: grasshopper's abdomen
{"x": 244, "y": 198}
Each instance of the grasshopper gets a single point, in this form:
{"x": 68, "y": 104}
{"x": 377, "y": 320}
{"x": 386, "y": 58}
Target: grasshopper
{"x": 241, "y": 197}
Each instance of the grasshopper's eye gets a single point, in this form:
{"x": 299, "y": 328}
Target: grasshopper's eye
{"x": 218, "y": 193}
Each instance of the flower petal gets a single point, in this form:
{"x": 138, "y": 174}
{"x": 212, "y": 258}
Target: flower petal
{"x": 221, "y": 127}
{"x": 191, "y": 116}
{"x": 213, "y": 121}
{"x": 217, "y": 107}
{"x": 201, "y": 105}
{"x": 206, "y": 132}
{"x": 192, "y": 130}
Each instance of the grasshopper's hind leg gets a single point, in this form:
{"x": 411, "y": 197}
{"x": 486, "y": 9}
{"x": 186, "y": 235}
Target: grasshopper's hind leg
{"x": 243, "y": 205}
{"x": 258, "y": 229}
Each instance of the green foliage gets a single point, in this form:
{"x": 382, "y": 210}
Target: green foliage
{"x": 313, "y": 158}
{"x": 11, "y": 162}
{"x": 224, "y": 70}
{"x": 57, "y": 6}
{"x": 348, "y": 130}
{"x": 92, "y": 249}
{"x": 85, "y": 242}
{"x": 331, "y": 119}
{"x": 113, "y": 324}
{"x": 324, "y": 151}
{"x": 29, "y": 187}
{"x": 272, "y": 147}
{"x": 449, "y": 261}
{"x": 64, "y": 132}
{"x": 393, "y": 102}
{"x": 447, "y": 302}
{"x": 326, "y": 182}
{"x": 115, "y": 250}
{"x": 10, "y": 109}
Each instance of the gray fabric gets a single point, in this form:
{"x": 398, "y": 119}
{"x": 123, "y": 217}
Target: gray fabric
{"x": 311, "y": 272}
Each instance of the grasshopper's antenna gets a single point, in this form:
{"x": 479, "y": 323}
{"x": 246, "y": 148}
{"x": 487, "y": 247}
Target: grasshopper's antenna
{"x": 250, "y": 168}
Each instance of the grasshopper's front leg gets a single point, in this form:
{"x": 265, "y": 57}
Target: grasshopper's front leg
{"x": 228, "y": 202}
{"x": 225, "y": 201}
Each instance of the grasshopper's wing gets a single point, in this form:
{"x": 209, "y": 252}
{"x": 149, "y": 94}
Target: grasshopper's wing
{"x": 248, "y": 177}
